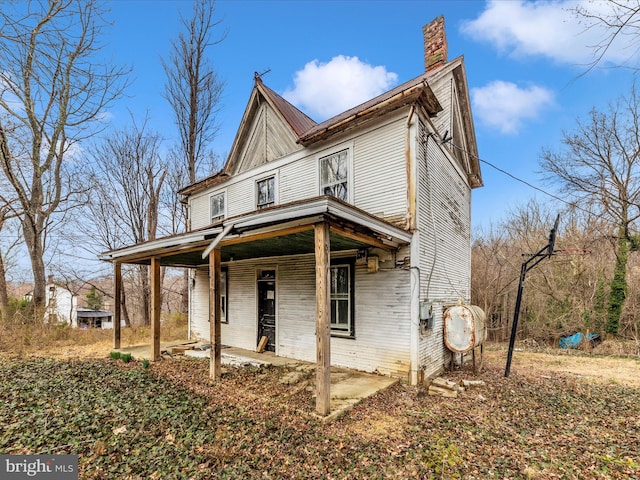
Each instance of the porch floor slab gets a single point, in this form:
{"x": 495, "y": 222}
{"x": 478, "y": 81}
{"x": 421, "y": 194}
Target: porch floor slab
{"x": 348, "y": 387}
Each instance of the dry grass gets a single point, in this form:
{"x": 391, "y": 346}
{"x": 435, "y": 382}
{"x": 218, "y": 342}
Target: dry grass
{"x": 611, "y": 361}
{"x": 29, "y": 339}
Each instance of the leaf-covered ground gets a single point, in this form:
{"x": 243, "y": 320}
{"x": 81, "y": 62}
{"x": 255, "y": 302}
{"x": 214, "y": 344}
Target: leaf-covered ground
{"x": 171, "y": 422}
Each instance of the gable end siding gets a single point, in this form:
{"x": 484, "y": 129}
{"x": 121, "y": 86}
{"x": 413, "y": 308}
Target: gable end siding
{"x": 379, "y": 179}
{"x": 270, "y": 138}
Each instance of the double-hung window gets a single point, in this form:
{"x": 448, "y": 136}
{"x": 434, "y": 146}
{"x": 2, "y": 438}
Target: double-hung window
{"x": 341, "y": 294}
{"x": 334, "y": 175}
{"x": 218, "y": 207}
{"x": 265, "y": 192}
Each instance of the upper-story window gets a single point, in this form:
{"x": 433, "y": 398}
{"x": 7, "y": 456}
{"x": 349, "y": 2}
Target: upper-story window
{"x": 334, "y": 175}
{"x": 266, "y": 192}
{"x": 218, "y": 206}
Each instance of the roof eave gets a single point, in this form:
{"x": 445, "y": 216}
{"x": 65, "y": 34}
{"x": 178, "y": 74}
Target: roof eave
{"x": 420, "y": 92}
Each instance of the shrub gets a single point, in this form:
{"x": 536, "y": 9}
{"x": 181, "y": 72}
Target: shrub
{"x": 115, "y": 355}
{"x": 126, "y": 357}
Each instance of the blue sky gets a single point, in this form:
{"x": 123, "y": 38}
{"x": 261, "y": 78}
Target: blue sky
{"x": 524, "y": 62}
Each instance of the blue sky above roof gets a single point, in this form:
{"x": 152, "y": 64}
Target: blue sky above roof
{"x": 524, "y": 61}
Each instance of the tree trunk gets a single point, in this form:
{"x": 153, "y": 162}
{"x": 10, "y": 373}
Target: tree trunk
{"x": 4, "y": 296}
{"x": 145, "y": 291}
{"x": 123, "y": 308}
{"x": 184, "y": 304}
{"x": 34, "y": 245}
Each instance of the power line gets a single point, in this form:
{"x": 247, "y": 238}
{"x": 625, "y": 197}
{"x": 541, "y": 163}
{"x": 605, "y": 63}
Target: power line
{"x": 571, "y": 204}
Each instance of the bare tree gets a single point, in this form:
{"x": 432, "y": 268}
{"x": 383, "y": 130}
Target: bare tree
{"x": 600, "y": 167}
{"x": 193, "y": 89}
{"x": 5, "y": 217}
{"x": 53, "y": 89}
{"x": 127, "y": 184}
{"x": 620, "y": 21}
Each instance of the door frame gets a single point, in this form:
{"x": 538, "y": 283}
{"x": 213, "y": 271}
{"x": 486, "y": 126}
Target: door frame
{"x": 257, "y": 315}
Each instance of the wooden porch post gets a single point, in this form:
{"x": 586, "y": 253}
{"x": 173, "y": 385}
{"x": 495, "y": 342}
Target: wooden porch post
{"x": 323, "y": 319}
{"x": 215, "y": 328}
{"x": 155, "y": 308}
{"x": 117, "y": 296}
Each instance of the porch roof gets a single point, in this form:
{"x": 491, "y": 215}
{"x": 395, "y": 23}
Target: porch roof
{"x": 275, "y": 231}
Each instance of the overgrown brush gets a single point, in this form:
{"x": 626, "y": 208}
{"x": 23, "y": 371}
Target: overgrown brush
{"x": 20, "y": 333}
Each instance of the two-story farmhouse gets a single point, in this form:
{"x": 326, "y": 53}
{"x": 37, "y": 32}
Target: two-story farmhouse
{"x": 341, "y": 242}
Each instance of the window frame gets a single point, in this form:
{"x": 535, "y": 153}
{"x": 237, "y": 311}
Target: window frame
{"x": 218, "y": 218}
{"x": 224, "y": 296}
{"x": 265, "y": 178}
{"x": 350, "y": 331}
{"x": 349, "y": 175}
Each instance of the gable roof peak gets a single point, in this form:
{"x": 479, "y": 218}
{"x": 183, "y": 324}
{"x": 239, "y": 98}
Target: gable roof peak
{"x": 299, "y": 121}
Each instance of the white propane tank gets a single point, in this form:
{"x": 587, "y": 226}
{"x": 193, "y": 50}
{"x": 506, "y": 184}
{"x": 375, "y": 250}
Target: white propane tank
{"x": 464, "y": 328}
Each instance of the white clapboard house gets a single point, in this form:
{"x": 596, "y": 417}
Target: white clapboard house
{"x": 342, "y": 242}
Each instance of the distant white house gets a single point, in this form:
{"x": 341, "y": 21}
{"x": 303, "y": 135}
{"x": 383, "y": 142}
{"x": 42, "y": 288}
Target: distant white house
{"x": 61, "y": 306}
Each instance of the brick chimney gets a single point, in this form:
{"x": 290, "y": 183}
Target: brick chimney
{"x": 435, "y": 44}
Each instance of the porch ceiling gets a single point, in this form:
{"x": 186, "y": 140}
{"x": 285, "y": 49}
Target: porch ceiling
{"x": 280, "y": 231}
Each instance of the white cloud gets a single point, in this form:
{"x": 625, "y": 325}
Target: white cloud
{"x": 547, "y": 28}
{"x": 326, "y": 89}
{"x": 505, "y": 106}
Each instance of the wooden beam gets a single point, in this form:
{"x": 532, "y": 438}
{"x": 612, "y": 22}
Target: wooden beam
{"x": 155, "y": 308}
{"x": 323, "y": 319}
{"x": 360, "y": 237}
{"x": 266, "y": 235}
{"x": 117, "y": 297}
{"x": 215, "y": 325}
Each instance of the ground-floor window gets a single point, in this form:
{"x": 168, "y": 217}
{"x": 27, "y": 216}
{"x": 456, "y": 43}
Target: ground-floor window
{"x": 223, "y": 296}
{"x": 342, "y": 305}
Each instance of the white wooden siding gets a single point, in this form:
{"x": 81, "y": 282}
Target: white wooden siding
{"x": 199, "y": 210}
{"x": 445, "y": 254}
{"x": 241, "y": 328}
{"x": 381, "y": 314}
{"x": 200, "y": 306}
{"x": 380, "y": 179}
{"x": 379, "y": 176}
{"x": 298, "y": 180}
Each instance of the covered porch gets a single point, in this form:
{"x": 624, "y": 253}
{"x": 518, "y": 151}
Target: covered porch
{"x": 319, "y": 226}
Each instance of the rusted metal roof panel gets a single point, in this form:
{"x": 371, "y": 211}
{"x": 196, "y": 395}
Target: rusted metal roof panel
{"x": 404, "y": 94}
{"x": 298, "y": 121}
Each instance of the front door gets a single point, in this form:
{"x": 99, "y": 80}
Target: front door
{"x": 267, "y": 308}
